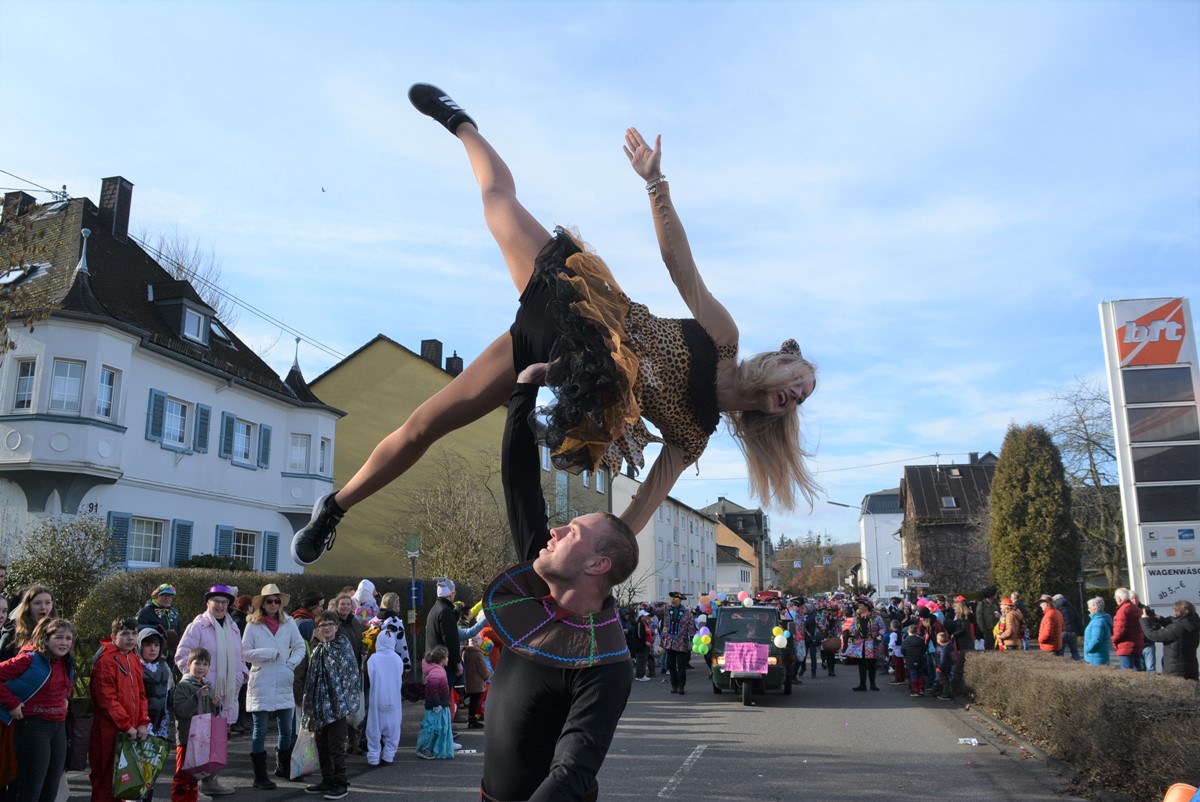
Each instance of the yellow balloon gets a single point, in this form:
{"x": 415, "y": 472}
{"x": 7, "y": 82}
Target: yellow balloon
{"x": 478, "y": 606}
{"x": 777, "y": 631}
{"x": 706, "y": 638}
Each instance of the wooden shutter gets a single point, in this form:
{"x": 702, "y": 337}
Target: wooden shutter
{"x": 270, "y": 551}
{"x": 154, "y": 415}
{"x": 118, "y": 530}
{"x": 224, "y": 541}
{"x": 264, "y": 446}
{"x": 203, "y": 419}
{"x": 181, "y": 541}
{"x": 226, "y": 446}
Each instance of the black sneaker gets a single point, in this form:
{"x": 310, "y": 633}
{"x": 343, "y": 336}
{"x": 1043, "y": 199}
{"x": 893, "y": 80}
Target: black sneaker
{"x": 317, "y": 788}
{"x": 433, "y": 102}
{"x": 336, "y": 792}
{"x": 317, "y": 536}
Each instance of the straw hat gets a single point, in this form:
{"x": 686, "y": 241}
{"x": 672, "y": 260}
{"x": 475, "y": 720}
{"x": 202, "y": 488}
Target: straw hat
{"x": 270, "y": 590}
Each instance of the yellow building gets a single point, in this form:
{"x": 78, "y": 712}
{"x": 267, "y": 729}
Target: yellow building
{"x": 730, "y": 538}
{"x": 379, "y": 386}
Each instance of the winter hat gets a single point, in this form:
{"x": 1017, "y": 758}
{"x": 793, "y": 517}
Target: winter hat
{"x": 445, "y": 587}
{"x": 365, "y": 592}
{"x": 166, "y": 588}
{"x": 150, "y": 632}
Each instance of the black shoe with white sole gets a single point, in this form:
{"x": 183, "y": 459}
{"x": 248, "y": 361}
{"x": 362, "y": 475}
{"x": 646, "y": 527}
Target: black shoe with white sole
{"x": 317, "y": 536}
{"x": 433, "y": 102}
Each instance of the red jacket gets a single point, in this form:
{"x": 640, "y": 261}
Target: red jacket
{"x": 1050, "y": 631}
{"x": 1127, "y": 637}
{"x": 118, "y": 696}
{"x": 49, "y": 701}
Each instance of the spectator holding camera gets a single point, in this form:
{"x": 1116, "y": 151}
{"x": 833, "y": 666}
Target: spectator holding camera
{"x": 1180, "y": 637}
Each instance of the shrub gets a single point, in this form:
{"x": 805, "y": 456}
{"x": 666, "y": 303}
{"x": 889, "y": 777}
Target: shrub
{"x": 68, "y": 555}
{"x": 125, "y": 594}
{"x": 1140, "y": 728}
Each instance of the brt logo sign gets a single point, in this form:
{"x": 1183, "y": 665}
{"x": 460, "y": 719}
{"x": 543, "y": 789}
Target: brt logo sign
{"x": 1155, "y": 338}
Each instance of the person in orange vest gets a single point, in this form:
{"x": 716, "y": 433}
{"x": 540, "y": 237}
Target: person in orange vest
{"x": 1050, "y": 631}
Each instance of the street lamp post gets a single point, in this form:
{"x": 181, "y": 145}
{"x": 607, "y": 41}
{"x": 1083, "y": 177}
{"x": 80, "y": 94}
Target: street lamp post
{"x": 412, "y": 545}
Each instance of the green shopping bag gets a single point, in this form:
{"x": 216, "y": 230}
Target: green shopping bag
{"x": 152, "y": 756}
{"x": 127, "y": 782}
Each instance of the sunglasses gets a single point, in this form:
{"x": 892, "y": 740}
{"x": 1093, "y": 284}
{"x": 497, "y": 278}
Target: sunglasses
{"x": 325, "y": 625}
{"x": 270, "y": 601}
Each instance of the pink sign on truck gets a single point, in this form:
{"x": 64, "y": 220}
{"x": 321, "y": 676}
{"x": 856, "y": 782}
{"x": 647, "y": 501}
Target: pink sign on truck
{"x": 747, "y": 657}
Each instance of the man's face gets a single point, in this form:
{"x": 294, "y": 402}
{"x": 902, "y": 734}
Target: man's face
{"x": 569, "y": 551}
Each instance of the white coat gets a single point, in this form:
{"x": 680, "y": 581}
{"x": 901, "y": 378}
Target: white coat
{"x": 273, "y": 659}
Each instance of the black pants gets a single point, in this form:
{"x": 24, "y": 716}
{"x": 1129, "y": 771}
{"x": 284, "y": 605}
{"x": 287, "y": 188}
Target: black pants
{"x": 331, "y": 751}
{"x": 866, "y": 668}
{"x": 644, "y": 663}
{"x": 677, "y": 666}
{"x": 40, "y": 747}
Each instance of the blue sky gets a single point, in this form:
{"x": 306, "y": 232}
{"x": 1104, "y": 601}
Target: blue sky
{"x": 932, "y": 198}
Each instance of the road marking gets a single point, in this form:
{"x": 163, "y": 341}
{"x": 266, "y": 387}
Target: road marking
{"x": 677, "y": 777}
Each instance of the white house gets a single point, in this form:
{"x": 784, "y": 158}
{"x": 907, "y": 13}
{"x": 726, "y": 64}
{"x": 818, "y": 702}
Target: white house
{"x": 677, "y": 548}
{"x": 131, "y": 401}
{"x": 879, "y": 521}
{"x": 733, "y": 573}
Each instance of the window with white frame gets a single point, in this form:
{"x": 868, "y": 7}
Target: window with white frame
{"x": 26, "y": 370}
{"x": 241, "y": 440}
{"x": 193, "y": 325}
{"x": 145, "y": 540}
{"x": 545, "y": 458}
{"x": 66, "y": 386}
{"x": 587, "y": 478}
{"x": 243, "y": 546}
{"x": 106, "y": 393}
{"x": 175, "y": 422}
{"x": 323, "y": 467}
{"x": 298, "y": 453}
{"x": 600, "y": 480}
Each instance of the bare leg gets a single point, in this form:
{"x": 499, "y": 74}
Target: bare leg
{"x": 515, "y": 230}
{"x": 479, "y": 389}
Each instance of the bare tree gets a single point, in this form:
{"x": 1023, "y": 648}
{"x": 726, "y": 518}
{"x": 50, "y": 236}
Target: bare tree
{"x": 460, "y": 516}
{"x": 631, "y": 591}
{"x": 194, "y": 263}
{"x": 1081, "y": 425}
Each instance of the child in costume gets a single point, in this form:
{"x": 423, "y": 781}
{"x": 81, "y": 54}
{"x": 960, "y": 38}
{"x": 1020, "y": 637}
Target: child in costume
{"x": 332, "y": 688}
{"x": 386, "y": 668}
{"x": 436, "y": 740}
{"x": 157, "y": 679}
{"x": 118, "y": 704}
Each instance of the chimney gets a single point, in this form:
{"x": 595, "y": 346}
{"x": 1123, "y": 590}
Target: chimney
{"x": 116, "y": 194}
{"x": 454, "y": 364}
{"x": 431, "y": 352}
{"x": 972, "y": 457}
{"x": 16, "y": 204}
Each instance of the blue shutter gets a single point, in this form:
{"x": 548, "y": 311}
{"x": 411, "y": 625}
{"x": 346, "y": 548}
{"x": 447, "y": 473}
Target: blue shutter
{"x": 226, "y": 448}
{"x": 224, "y": 541}
{"x": 154, "y": 415}
{"x": 181, "y": 541}
{"x": 270, "y": 551}
{"x": 203, "y": 419}
{"x": 264, "y": 446}
{"x": 118, "y": 530}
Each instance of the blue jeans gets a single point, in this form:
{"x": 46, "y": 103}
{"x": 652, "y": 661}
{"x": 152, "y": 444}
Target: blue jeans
{"x": 1130, "y": 662}
{"x": 1070, "y": 642}
{"x": 1149, "y": 659}
{"x": 283, "y": 723}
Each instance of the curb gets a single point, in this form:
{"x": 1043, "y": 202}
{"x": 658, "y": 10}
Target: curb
{"x": 1062, "y": 768}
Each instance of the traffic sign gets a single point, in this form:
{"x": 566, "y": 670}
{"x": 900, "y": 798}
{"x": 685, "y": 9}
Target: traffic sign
{"x": 918, "y": 584}
{"x": 827, "y": 561}
{"x": 797, "y": 564}
{"x": 907, "y": 573}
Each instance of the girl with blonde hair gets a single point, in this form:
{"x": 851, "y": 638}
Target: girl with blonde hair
{"x": 611, "y": 362}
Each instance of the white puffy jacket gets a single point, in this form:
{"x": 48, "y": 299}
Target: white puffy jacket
{"x": 273, "y": 660}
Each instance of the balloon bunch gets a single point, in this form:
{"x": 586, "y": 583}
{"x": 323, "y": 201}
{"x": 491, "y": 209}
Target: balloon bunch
{"x": 781, "y": 636}
{"x": 702, "y": 640}
{"x": 745, "y": 598}
{"x": 706, "y": 605}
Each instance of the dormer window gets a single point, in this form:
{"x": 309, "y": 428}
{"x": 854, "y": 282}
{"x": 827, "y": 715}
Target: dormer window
{"x": 193, "y": 325}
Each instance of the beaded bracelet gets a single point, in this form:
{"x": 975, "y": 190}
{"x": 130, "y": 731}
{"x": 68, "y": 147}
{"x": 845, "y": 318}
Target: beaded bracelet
{"x": 652, "y": 186}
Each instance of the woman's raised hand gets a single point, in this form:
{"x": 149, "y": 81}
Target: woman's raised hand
{"x": 646, "y": 160}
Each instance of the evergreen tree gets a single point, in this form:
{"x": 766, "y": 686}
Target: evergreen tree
{"x": 1035, "y": 544}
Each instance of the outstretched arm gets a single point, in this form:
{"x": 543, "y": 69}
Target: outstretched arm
{"x": 519, "y": 468}
{"x": 673, "y": 242}
{"x": 659, "y": 480}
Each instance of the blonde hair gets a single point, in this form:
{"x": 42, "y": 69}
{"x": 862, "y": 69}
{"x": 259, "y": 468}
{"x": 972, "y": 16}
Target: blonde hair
{"x": 391, "y": 601}
{"x": 257, "y": 614}
{"x": 774, "y": 450}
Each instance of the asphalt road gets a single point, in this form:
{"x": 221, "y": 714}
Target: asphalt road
{"x": 824, "y": 742}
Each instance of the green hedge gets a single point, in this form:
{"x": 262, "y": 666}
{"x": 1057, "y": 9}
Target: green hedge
{"x": 1127, "y": 731}
{"x": 126, "y": 593}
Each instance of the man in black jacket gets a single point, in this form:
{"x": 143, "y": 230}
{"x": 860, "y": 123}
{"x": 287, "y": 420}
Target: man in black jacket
{"x": 441, "y": 629}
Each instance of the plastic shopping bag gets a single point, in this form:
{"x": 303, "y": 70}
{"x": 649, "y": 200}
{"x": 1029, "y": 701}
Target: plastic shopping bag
{"x": 127, "y": 781}
{"x": 152, "y": 756}
{"x": 206, "y": 746}
{"x": 304, "y": 755}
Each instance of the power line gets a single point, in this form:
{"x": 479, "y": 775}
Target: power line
{"x": 254, "y": 310}
{"x": 58, "y": 194}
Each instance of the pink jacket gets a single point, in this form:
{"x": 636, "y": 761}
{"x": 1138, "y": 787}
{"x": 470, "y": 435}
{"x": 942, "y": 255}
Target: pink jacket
{"x": 200, "y": 634}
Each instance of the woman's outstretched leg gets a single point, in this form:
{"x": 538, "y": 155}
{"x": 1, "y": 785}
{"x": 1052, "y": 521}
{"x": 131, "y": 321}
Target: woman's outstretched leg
{"x": 515, "y": 230}
{"x": 479, "y": 389}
